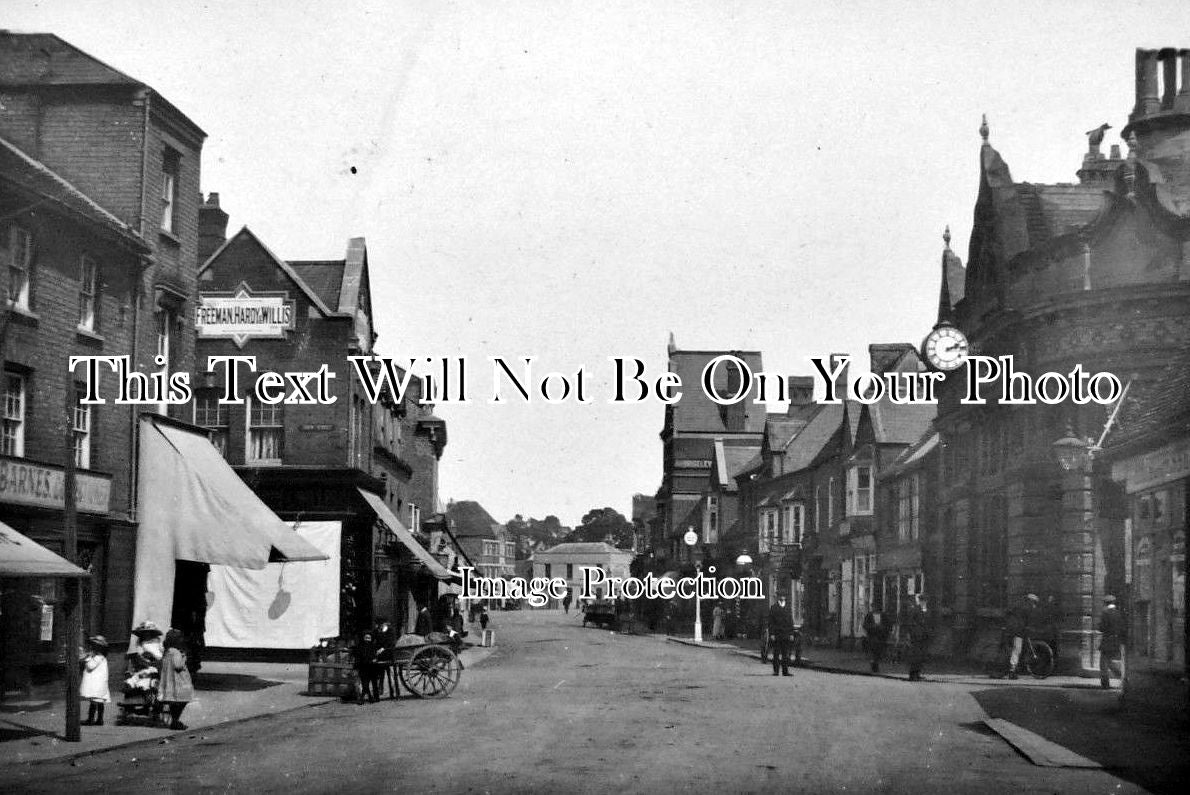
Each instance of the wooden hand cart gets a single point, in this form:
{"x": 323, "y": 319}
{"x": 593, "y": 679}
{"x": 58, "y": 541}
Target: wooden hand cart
{"x": 426, "y": 669}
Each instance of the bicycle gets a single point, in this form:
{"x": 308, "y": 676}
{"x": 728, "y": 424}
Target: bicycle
{"x": 1037, "y": 658}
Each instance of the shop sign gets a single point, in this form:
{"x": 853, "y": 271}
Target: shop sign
{"x": 692, "y": 463}
{"x": 242, "y": 315}
{"x": 27, "y": 483}
{"x": 1164, "y": 464}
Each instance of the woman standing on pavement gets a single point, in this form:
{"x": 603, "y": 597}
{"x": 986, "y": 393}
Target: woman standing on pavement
{"x": 718, "y": 614}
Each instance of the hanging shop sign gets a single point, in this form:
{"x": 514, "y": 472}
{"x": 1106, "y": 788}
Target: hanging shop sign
{"x": 242, "y": 315}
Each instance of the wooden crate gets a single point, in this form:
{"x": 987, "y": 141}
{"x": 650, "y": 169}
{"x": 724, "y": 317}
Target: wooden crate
{"x": 332, "y": 679}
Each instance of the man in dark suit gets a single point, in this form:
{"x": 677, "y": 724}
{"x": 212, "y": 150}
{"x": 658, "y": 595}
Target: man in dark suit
{"x": 1111, "y": 644}
{"x": 876, "y": 629}
{"x": 780, "y": 630}
{"x": 917, "y": 629}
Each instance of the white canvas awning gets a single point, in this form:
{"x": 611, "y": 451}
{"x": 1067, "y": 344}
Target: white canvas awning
{"x": 21, "y": 556}
{"x": 193, "y": 506}
{"x": 405, "y": 537}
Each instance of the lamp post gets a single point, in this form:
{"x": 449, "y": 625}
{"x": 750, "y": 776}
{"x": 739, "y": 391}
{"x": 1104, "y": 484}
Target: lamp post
{"x": 1081, "y": 547}
{"x": 691, "y": 538}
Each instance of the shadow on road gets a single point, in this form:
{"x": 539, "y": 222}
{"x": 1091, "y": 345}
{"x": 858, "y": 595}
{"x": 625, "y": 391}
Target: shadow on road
{"x": 240, "y": 683}
{"x": 1134, "y": 746}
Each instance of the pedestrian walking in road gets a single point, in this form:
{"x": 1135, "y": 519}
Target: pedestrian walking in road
{"x": 175, "y": 690}
{"x": 717, "y": 617}
{"x": 1111, "y": 643}
{"x": 918, "y": 630}
{"x": 877, "y": 630}
{"x": 483, "y": 617}
{"x": 780, "y": 630}
{"x": 1022, "y": 622}
{"x": 93, "y": 687}
{"x": 566, "y": 602}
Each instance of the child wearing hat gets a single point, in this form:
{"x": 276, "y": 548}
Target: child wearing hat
{"x": 93, "y": 687}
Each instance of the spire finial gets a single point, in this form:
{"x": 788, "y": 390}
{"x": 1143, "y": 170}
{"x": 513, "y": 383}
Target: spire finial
{"x": 983, "y": 129}
{"x": 946, "y": 237}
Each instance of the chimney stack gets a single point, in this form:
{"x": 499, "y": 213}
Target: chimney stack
{"x": 212, "y": 228}
{"x": 801, "y": 391}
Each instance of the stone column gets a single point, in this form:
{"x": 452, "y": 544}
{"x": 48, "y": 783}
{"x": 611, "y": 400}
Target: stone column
{"x": 1080, "y": 585}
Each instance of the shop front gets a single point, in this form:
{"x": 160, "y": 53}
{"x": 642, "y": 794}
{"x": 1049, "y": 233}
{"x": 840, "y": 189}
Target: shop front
{"x": 33, "y": 643}
{"x": 1158, "y": 485}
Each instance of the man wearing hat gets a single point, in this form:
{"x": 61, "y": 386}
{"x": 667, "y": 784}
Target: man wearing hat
{"x": 1111, "y": 644}
{"x": 1020, "y": 624}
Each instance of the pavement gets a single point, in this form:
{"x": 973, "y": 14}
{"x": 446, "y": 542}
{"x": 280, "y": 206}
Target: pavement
{"x": 225, "y": 693}
{"x": 825, "y": 658}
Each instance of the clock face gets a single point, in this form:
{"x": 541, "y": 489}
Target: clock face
{"x": 945, "y": 348}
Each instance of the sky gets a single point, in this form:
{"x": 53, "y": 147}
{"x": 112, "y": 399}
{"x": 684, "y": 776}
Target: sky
{"x": 577, "y": 180}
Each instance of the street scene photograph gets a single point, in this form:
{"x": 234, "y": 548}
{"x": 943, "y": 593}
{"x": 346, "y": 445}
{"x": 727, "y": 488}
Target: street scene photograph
{"x": 467, "y": 397}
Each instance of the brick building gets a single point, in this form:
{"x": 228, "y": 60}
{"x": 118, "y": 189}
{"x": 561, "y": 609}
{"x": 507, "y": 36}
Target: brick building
{"x": 1094, "y": 273}
{"x": 99, "y": 177}
{"x": 688, "y": 437}
{"x": 371, "y": 467}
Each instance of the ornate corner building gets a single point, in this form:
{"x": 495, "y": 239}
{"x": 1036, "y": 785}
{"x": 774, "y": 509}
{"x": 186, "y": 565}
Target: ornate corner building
{"x": 1095, "y": 274}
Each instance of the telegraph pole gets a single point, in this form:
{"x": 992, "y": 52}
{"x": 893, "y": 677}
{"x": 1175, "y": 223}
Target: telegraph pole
{"x": 74, "y": 628}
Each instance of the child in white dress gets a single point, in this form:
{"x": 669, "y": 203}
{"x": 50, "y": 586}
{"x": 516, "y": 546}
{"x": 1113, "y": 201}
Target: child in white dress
{"x": 93, "y": 687}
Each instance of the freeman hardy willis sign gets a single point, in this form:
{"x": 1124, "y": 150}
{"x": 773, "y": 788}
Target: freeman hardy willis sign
{"x": 242, "y": 315}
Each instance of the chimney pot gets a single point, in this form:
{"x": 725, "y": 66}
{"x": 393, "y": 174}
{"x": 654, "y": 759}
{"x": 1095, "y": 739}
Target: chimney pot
{"x": 1169, "y": 60}
{"x": 1115, "y": 151}
{"x": 1148, "y": 101}
{"x": 212, "y": 199}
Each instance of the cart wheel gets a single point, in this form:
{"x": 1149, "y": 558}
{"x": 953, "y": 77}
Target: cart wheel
{"x": 432, "y": 672}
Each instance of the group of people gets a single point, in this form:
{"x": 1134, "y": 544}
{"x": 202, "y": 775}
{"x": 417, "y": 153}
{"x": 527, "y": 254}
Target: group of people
{"x": 915, "y": 632}
{"x": 156, "y": 675}
{"x": 374, "y": 649}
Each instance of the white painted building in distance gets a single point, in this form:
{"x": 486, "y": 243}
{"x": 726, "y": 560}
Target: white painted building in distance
{"x": 567, "y": 560}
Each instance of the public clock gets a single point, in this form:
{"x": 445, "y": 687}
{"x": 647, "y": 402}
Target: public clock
{"x": 945, "y": 348}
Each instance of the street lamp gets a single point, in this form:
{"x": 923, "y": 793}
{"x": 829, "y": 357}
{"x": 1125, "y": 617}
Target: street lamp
{"x": 691, "y": 538}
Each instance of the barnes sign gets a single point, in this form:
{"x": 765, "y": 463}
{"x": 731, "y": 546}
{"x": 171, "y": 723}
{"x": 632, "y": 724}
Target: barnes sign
{"x": 26, "y": 483}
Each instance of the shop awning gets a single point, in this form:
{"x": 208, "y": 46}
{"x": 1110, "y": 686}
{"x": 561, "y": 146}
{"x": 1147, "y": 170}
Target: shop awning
{"x": 193, "y": 506}
{"x": 21, "y": 556}
{"x": 405, "y": 537}
{"x": 212, "y": 515}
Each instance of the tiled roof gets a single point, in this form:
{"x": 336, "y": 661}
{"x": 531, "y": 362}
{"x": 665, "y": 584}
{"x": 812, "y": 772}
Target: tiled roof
{"x": 45, "y": 59}
{"x": 805, "y": 446}
{"x": 581, "y": 548}
{"x": 1160, "y": 412}
{"x": 912, "y": 454}
{"x": 899, "y": 423}
{"x": 1055, "y": 210}
{"x": 779, "y": 430}
{"x": 21, "y": 170}
{"x": 324, "y": 277}
{"x": 468, "y": 518}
